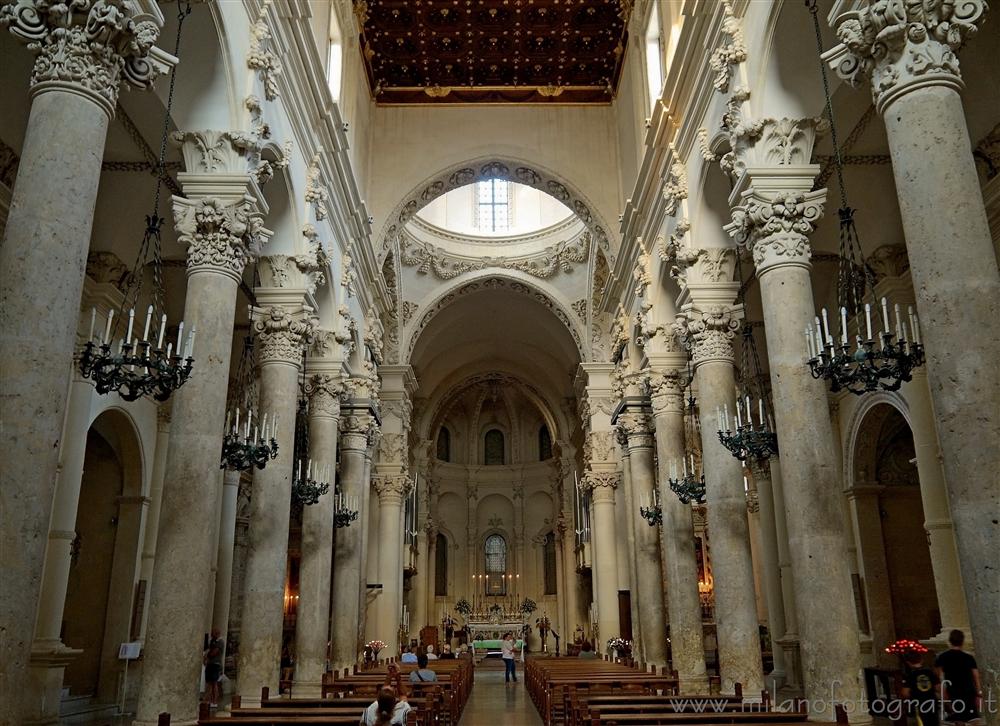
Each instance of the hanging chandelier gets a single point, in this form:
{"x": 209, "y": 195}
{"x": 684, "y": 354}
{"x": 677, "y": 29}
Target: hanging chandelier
{"x": 253, "y": 445}
{"x": 749, "y": 440}
{"x": 689, "y": 486}
{"x": 134, "y": 366}
{"x": 651, "y": 510}
{"x": 880, "y": 361}
{"x": 345, "y": 509}
{"x": 310, "y": 481}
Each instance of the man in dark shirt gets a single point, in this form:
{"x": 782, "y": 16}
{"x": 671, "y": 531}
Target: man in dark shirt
{"x": 920, "y": 689}
{"x": 959, "y": 676}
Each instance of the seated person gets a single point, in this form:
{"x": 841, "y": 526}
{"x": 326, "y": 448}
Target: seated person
{"x": 394, "y": 680}
{"x": 431, "y": 655}
{"x": 587, "y": 650}
{"x": 408, "y": 656}
{"x": 446, "y": 653}
{"x": 422, "y": 674}
{"x": 387, "y": 709}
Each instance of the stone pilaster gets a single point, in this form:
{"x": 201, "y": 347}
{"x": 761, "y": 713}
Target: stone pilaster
{"x": 82, "y": 52}
{"x": 637, "y": 427}
{"x": 666, "y": 387}
{"x": 774, "y": 211}
{"x": 220, "y": 232}
{"x": 602, "y": 486}
{"x": 284, "y": 327}
{"x": 312, "y": 628}
{"x": 708, "y": 321}
{"x": 908, "y": 51}
{"x": 390, "y": 488}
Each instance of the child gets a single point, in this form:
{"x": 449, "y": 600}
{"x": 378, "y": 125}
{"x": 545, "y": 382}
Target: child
{"x": 921, "y": 689}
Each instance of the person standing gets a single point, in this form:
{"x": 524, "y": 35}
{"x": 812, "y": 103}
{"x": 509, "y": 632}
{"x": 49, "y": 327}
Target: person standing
{"x": 213, "y": 668}
{"x": 507, "y": 653}
{"x": 920, "y": 689}
{"x": 959, "y": 676}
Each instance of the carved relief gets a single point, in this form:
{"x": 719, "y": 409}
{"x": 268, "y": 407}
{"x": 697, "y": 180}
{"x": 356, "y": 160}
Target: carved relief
{"x": 217, "y": 235}
{"x": 776, "y": 230}
{"x": 666, "y": 390}
{"x": 260, "y": 57}
{"x": 313, "y": 262}
{"x": 348, "y": 277}
{"x": 641, "y": 273}
{"x": 710, "y": 331}
{"x": 373, "y": 335}
{"x": 675, "y": 189}
{"x": 409, "y": 310}
{"x": 106, "y": 267}
{"x": 283, "y": 333}
{"x": 731, "y": 52}
{"x": 316, "y": 193}
{"x": 601, "y": 446}
{"x": 392, "y": 448}
{"x": 324, "y": 393}
{"x": 580, "y": 308}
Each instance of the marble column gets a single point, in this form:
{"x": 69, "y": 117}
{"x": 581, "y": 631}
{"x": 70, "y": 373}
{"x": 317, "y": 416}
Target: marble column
{"x": 225, "y": 553}
{"x": 312, "y": 626}
{"x": 774, "y": 208}
{"x": 152, "y": 529}
{"x": 431, "y": 592}
{"x": 760, "y": 470}
{"x": 283, "y": 326}
{"x": 916, "y": 84}
{"x": 874, "y": 568}
{"x": 789, "y": 640}
{"x": 347, "y": 577}
{"x": 388, "y": 606}
{"x": 627, "y": 565}
{"x": 218, "y": 231}
{"x": 602, "y": 486}
{"x": 637, "y": 425}
{"x": 680, "y": 564}
{"x": 710, "y": 327}
{"x": 46, "y": 239}
{"x": 937, "y": 512}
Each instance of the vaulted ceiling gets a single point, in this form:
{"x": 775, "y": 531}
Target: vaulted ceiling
{"x": 493, "y": 51}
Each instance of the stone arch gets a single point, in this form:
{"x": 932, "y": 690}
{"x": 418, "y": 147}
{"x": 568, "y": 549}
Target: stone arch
{"x": 860, "y": 452}
{"x": 493, "y": 167}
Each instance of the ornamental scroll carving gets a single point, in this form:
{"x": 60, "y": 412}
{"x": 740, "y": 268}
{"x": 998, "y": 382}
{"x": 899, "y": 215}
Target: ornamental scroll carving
{"x": 90, "y": 44}
{"x": 710, "y": 332}
{"x": 218, "y": 236}
{"x": 600, "y": 446}
{"x": 666, "y": 391}
{"x": 392, "y": 448}
{"x": 731, "y": 52}
{"x": 777, "y": 230}
{"x": 637, "y": 430}
{"x": 675, "y": 189}
{"x": 324, "y": 393}
{"x": 602, "y": 484}
{"x": 391, "y": 487}
{"x": 283, "y": 333}
{"x": 898, "y": 44}
{"x": 260, "y": 57}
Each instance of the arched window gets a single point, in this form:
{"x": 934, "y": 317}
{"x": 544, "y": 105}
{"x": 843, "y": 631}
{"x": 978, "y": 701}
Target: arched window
{"x": 493, "y": 205}
{"x": 493, "y": 443}
{"x": 549, "y": 563}
{"x": 495, "y": 551}
{"x": 444, "y": 444}
{"x": 544, "y": 443}
{"x": 335, "y": 66}
{"x": 441, "y": 566}
{"x": 654, "y": 56}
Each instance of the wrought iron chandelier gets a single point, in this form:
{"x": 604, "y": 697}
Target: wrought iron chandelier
{"x": 883, "y": 361}
{"x": 254, "y": 444}
{"x": 310, "y": 481}
{"x": 132, "y": 366}
{"x": 690, "y": 486}
{"x": 651, "y": 510}
{"x": 345, "y": 509}
{"x": 749, "y": 440}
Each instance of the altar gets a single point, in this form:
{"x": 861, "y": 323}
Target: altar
{"x": 492, "y": 630}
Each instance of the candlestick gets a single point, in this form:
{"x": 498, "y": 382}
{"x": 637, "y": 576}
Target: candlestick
{"x": 180, "y": 334}
{"x": 145, "y": 331}
{"x": 826, "y": 327}
{"x": 868, "y": 320}
{"x": 843, "y": 324}
{"x": 760, "y": 406}
{"x": 809, "y": 347}
{"x": 163, "y": 329}
{"x": 131, "y": 320}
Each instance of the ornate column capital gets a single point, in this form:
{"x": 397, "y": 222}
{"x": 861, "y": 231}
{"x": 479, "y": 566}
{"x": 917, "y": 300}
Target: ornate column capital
{"x": 602, "y": 485}
{"x": 637, "y": 429}
{"x": 775, "y": 225}
{"x": 901, "y": 45}
{"x": 599, "y": 447}
{"x": 283, "y": 332}
{"x": 354, "y": 428}
{"x": 84, "y": 46}
{"x": 709, "y": 330}
{"x": 324, "y": 393}
{"x": 703, "y": 266}
{"x": 391, "y": 487}
{"x": 666, "y": 390}
{"x": 220, "y": 235}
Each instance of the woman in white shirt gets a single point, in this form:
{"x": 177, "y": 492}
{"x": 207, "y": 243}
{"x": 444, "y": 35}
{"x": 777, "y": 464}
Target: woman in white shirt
{"x": 507, "y": 653}
{"x": 387, "y": 709}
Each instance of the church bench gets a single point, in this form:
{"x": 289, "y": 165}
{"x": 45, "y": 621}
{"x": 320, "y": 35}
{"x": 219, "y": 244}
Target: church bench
{"x": 615, "y": 717}
{"x": 581, "y": 705}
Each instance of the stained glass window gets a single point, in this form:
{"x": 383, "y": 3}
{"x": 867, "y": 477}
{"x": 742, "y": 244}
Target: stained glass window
{"x": 493, "y": 445}
{"x": 495, "y": 551}
{"x": 493, "y": 205}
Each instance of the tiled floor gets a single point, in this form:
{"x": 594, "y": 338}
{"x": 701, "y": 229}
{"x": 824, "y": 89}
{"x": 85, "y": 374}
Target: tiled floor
{"x": 495, "y": 703}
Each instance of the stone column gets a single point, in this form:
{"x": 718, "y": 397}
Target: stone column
{"x": 910, "y": 58}
{"x": 760, "y": 470}
{"x": 625, "y": 523}
{"x": 789, "y": 640}
{"x": 225, "y": 553}
{"x": 431, "y": 614}
{"x": 774, "y": 210}
{"x": 152, "y": 529}
{"x": 312, "y": 627}
{"x": 874, "y": 569}
{"x": 602, "y": 485}
{"x": 388, "y": 607}
{"x": 637, "y": 426}
{"x": 83, "y": 51}
{"x": 347, "y": 574}
{"x": 687, "y": 645}
{"x": 219, "y": 231}
{"x": 283, "y": 326}
{"x": 710, "y": 324}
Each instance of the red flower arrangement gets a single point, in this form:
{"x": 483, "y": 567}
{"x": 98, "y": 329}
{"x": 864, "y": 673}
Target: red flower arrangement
{"x": 904, "y": 646}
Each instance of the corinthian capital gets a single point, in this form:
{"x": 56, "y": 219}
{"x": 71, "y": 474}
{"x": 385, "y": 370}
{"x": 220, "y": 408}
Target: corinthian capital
{"x": 220, "y": 235}
{"x": 391, "y": 487}
{"x": 324, "y": 393}
{"x": 710, "y": 329}
{"x": 901, "y": 45}
{"x": 636, "y": 428}
{"x": 666, "y": 390}
{"x": 283, "y": 332}
{"x": 602, "y": 484}
{"x": 775, "y": 226}
{"x": 85, "y": 45}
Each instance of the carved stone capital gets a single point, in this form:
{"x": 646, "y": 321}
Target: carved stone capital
{"x": 710, "y": 330}
{"x": 84, "y": 46}
{"x": 324, "y": 393}
{"x": 602, "y": 485}
{"x": 776, "y": 226}
{"x": 599, "y": 447}
{"x": 391, "y": 487}
{"x": 220, "y": 236}
{"x": 705, "y": 265}
{"x": 354, "y": 429}
{"x": 215, "y": 152}
{"x": 637, "y": 428}
{"x": 666, "y": 391}
{"x": 392, "y": 448}
{"x": 283, "y": 333}
{"x": 901, "y": 45}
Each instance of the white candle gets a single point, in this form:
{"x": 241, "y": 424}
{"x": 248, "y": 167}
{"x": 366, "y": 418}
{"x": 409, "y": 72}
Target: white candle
{"x": 725, "y": 413}
{"x": 93, "y": 319}
{"x": 868, "y": 320}
{"x": 254, "y": 433}
{"x": 298, "y": 471}
{"x": 145, "y": 332}
{"x": 739, "y": 420}
{"x": 190, "y": 343}
{"x": 163, "y": 328}
{"x": 263, "y": 426}
{"x": 826, "y": 327}
{"x": 169, "y": 348}
{"x": 916, "y": 328}
{"x": 180, "y": 333}
{"x": 749, "y": 414}
{"x": 107, "y": 328}
{"x": 843, "y": 324}
{"x": 131, "y": 320}
{"x": 274, "y": 426}
{"x": 692, "y": 464}
{"x": 885, "y": 316}
{"x": 760, "y": 408}
{"x": 236, "y": 428}
{"x": 809, "y": 343}
{"x": 249, "y": 421}
{"x": 913, "y": 327}
{"x": 899, "y": 325}
{"x": 684, "y": 466}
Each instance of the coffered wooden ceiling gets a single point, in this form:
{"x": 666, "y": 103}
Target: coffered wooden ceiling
{"x": 493, "y": 51}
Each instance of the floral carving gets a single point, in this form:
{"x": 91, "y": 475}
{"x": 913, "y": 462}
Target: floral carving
{"x": 666, "y": 391}
{"x": 348, "y": 276}
{"x": 260, "y": 57}
{"x": 391, "y": 487}
{"x": 91, "y": 44}
{"x": 316, "y": 193}
{"x": 215, "y": 152}
{"x": 282, "y": 333}
{"x": 580, "y": 308}
{"x": 710, "y": 331}
{"x": 641, "y": 274}
{"x": 218, "y": 236}
{"x": 776, "y": 229}
{"x": 392, "y": 448}
{"x": 373, "y": 335}
{"x": 313, "y": 262}
{"x": 409, "y": 310}
{"x": 107, "y": 267}
{"x": 324, "y": 393}
{"x": 601, "y": 446}
{"x": 730, "y": 53}
{"x": 675, "y": 189}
